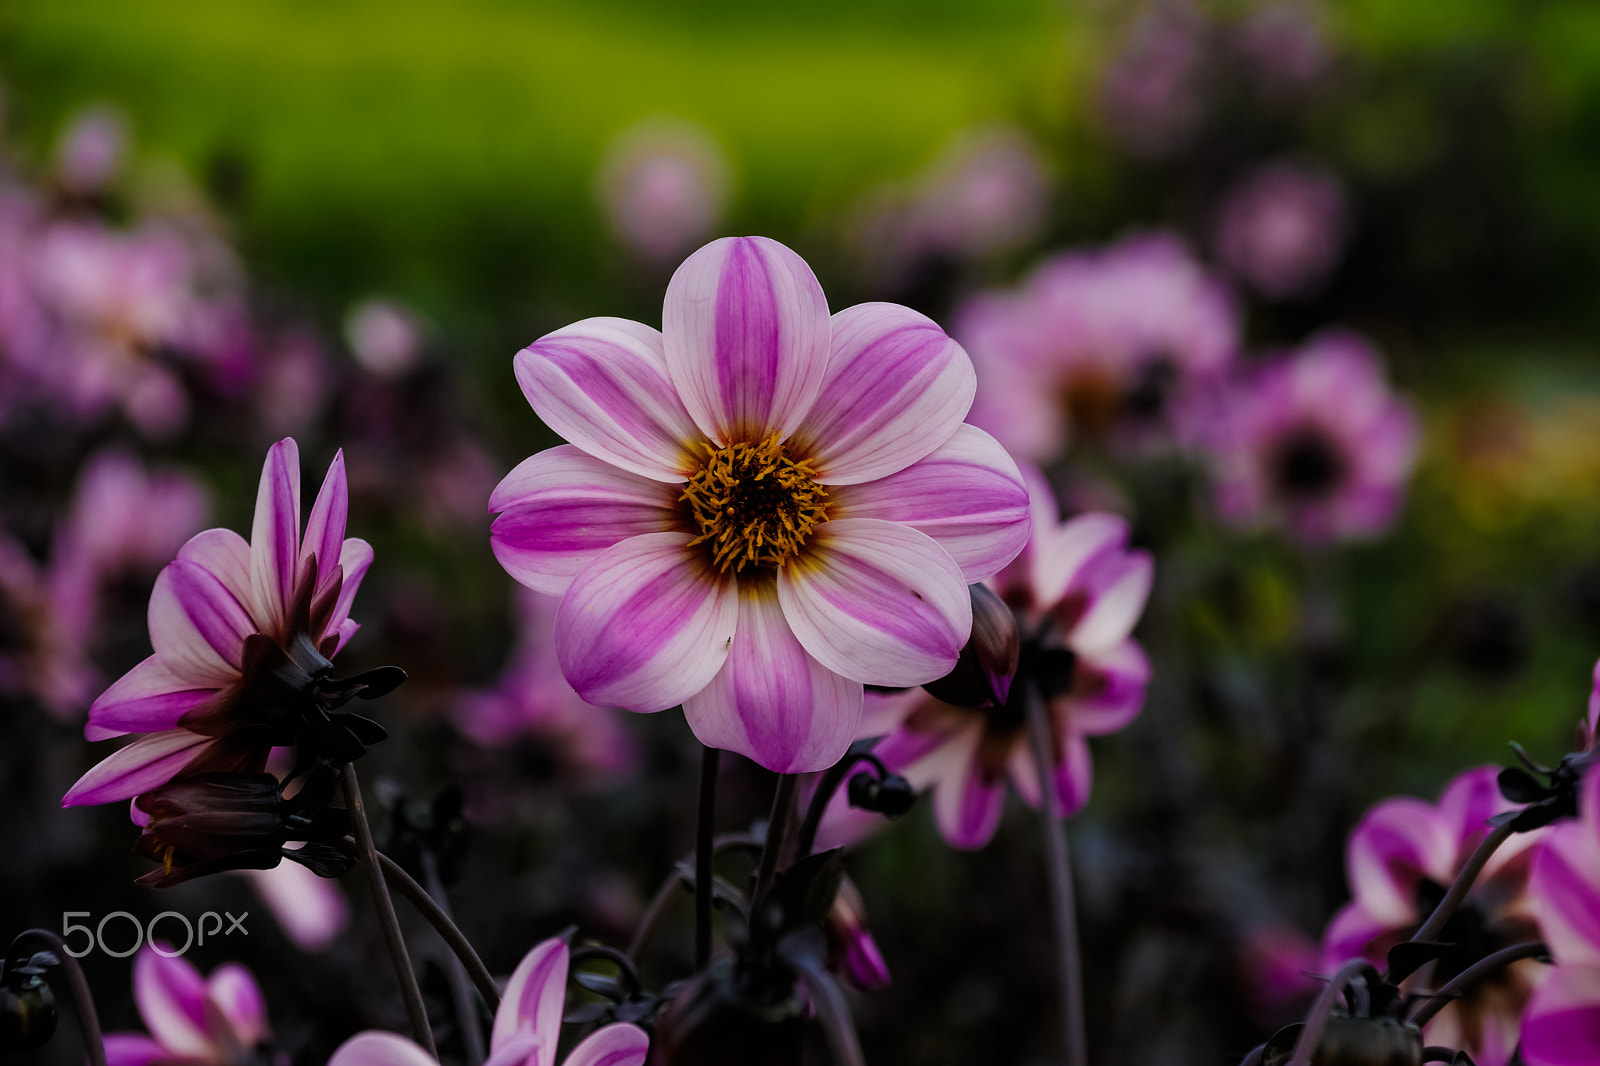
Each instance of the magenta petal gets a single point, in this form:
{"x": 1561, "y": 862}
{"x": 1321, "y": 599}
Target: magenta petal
{"x": 275, "y": 535}
{"x": 171, "y": 998}
{"x": 146, "y": 699}
{"x": 326, "y": 525}
{"x": 1565, "y": 884}
{"x": 967, "y": 801}
{"x": 310, "y": 909}
{"x": 562, "y": 507}
{"x": 1117, "y": 585}
{"x": 238, "y": 999}
{"x": 533, "y": 998}
{"x": 355, "y": 558}
{"x": 877, "y": 602}
{"x": 620, "y": 1044}
{"x": 772, "y": 702}
{"x": 1395, "y": 845}
{"x": 378, "y": 1048}
{"x": 1561, "y": 1025}
{"x": 226, "y": 555}
{"x": 746, "y": 330}
{"x": 603, "y": 385}
{"x": 145, "y": 764}
{"x": 133, "y": 1049}
{"x": 521, "y": 1048}
{"x": 197, "y": 626}
{"x": 646, "y": 625}
{"x": 967, "y": 494}
{"x": 896, "y": 388}
{"x": 1351, "y": 935}
{"x": 1120, "y": 676}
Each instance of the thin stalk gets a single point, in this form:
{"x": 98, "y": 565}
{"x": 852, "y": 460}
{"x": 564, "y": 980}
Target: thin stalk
{"x": 657, "y": 910}
{"x": 1059, "y": 867}
{"x": 1326, "y": 1000}
{"x": 783, "y": 803}
{"x": 834, "y": 1014}
{"x": 1477, "y": 971}
{"x": 88, "y": 1019}
{"x": 827, "y": 785}
{"x": 408, "y": 887}
{"x": 1463, "y": 883}
{"x": 710, "y": 758}
{"x": 455, "y": 970}
{"x": 368, "y": 854}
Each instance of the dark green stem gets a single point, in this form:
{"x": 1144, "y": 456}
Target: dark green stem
{"x": 710, "y": 759}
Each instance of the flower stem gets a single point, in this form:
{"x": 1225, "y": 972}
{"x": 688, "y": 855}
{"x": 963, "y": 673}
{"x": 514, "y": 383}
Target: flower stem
{"x": 1436, "y": 1002}
{"x": 827, "y": 785}
{"x": 1059, "y": 867}
{"x": 710, "y": 759}
{"x": 668, "y": 890}
{"x": 368, "y": 854}
{"x": 783, "y": 804}
{"x": 1463, "y": 882}
{"x": 88, "y": 1019}
{"x": 454, "y": 969}
{"x": 1306, "y": 1046}
{"x": 481, "y": 979}
{"x": 834, "y": 1014}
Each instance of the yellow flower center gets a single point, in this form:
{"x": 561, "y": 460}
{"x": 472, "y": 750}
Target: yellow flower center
{"x": 752, "y": 505}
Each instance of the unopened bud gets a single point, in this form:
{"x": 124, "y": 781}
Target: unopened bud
{"x": 988, "y": 661}
{"x": 890, "y": 795}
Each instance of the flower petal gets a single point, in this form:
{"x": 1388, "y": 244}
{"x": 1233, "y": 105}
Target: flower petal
{"x": 967, "y": 494}
{"x": 772, "y": 702}
{"x": 1561, "y": 1026}
{"x": 171, "y": 998}
{"x": 534, "y": 998}
{"x": 146, "y": 699}
{"x": 1394, "y": 846}
{"x": 1566, "y": 887}
{"x": 967, "y": 800}
{"x": 355, "y": 558}
{"x": 603, "y": 385}
{"x": 646, "y": 625}
{"x": 562, "y": 507}
{"x": 378, "y": 1048}
{"x": 746, "y": 330}
{"x": 226, "y": 555}
{"x": 145, "y": 764}
{"x": 620, "y": 1044}
{"x": 326, "y": 525}
{"x": 1108, "y": 691}
{"x": 1117, "y": 584}
{"x": 310, "y": 910}
{"x": 877, "y": 602}
{"x": 239, "y": 1000}
{"x": 197, "y": 626}
{"x": 133, "y": 1049}
{"x": 275, "y": 534}
{"x": 895, "y": 389}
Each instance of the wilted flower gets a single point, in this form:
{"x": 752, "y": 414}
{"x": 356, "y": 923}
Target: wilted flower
{"x": 527, "y": 1027}
{"x": 1281, "y": 228}
{"x": 243, "y": 634}
{"x": 1401, "y": 859}
{"x": 764, "y": 508}
{"x": 1315, "y": 442}
{"x": 219, "y": 1020}
{"x": 663, "y": 184}
{"x": 1561, "y": 1026}
{"x": 1109, "y": 343}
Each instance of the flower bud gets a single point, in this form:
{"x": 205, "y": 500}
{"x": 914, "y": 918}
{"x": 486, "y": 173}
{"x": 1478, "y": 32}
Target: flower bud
{"x": 851, "y": 950}
{"x": 988, "y": 661}
{"x": 890, "y": 795}
{"x": 27, "y": 1009}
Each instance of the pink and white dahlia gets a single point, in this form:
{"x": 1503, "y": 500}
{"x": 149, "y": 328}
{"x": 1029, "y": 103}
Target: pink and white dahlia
{"x": 219, "y": 1020}
{"x": 1076, "y": 590}
{"x": 240, "y": 631}
{"x": 1561, "y": 1026}
{"x": 763, "y": 508}
{"x": 527, "y": 1027}
{"x": 1400, "y": 860}
{"x": 1315, "y": 442}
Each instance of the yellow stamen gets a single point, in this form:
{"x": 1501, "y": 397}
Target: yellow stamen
{"x": 752, "y": 505}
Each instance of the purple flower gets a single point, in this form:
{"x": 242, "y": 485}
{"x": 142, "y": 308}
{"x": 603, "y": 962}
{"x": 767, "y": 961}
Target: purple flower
{"x": 664, "y": 185}
{"x": 1561, "y": 1026}
{"x": 1315, "y": 442}
{"x": 230, "y": 621}
{"x": 1114, "y": 342}
{"x": 1153, "y": 96}
{"x": 763, "y": 508}
{"x": 311, "y": 910}
{"x": 219, "y": 1020}
{"x": 1281, "y": 228}
{"x": 1400, "y": 859}
{"x": 527, "y": 1027}
{"x": 1284, "y": 45}
{"x": 1076, "y": 589}
{"x": 384, "y": 336}
{"x": 851, "y": 950}
{"x": 91, "y": 150}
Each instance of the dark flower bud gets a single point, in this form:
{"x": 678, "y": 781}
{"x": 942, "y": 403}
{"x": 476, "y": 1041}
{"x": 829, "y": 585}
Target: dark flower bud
{"x": 988, "y": 661}
{"x": 27, "y": 1006}
{"x": 890, "y": 795}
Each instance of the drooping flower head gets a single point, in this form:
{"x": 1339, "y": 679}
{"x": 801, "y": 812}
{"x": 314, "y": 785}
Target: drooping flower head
{"x": 1315, "y": 442}
{"x": 527, "y": 1027}
{"x": 1076, "y": 591}
{"x": 243, "y": 634}
{"x": 1110, "y": 344}
{"x": 1400, "y": 860}
{"x": 220, "y": 1020}
{"x": 1561, "y": 1026}
{"x": 762, "y": 508}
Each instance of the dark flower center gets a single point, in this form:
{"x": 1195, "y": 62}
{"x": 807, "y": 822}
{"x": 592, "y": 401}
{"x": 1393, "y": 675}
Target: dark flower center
{"x": 1147, "y": 400}
{"x": 750, "y": 504}
{"x": 1306, "y": 463}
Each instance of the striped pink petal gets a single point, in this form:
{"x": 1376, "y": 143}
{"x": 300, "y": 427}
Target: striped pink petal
{"x": 533, "y": 998}
{"x": 325, "y": 527}
{"x": 877, "y": 602}
{"x": 238, "y": 1000}
{"x": 171, "y": 998}
{"x": 197, "y": 626}
{"x": 562, "y": 507}
{"x": 1561, "y": 1025}
{"x": 226, "y": 555}
{"x": 1117, "y": 584}
{"x": 355, "y": 558}
{"x": 1395, "y": 845}
{"x": 895, "y": 389}
{"x": 967, "y": 494}
{"x": 771, "y": 701}
{"x": 1566, "y": 887}
{"x": 1115, "y": 691}
{"x": 1073, "y": 772}
{"x": 275, "y": 534}
{"x": 603, "y": 385}
{"x": 747, "y": 338}
{"x": 133, "y": 1049}
{"x": 521, "y": 1048}
{"x": 146, "y": 699}
{"x": 646, "y": 625}
{"x": 967, "y": 801}
{"x": 378, "y": 1048}
{"x": 620, "y": 1044}
{"x": 1351, "y": 935}
{"x": 147, "y": 763}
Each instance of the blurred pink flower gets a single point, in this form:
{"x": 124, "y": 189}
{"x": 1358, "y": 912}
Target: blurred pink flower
{"x": 1281, "y": 228}
{"x": 764, "y": 507}
{"x": 1114, "y": 343}
{"x": 225, "y": 616}
{"x": 91, "y": 150}
{"x": 1076, "y": 589}
{"x": 293, "y": 382}
{"x": 1561, "y": 1026}
{"x": 851, "y": 950}
{"x": 664, "y": 185}
{"x": 1401, "y": 858}
{"x": 1154, "y": 92}
{"x": 1314, "y": 442}
{"x": 219, "y": 1020}
{"x": 310, "y": 910}
{"x": 384, "y": 336}
{"x": 1284, "y": 45}
{"x": 527, "y": 1027}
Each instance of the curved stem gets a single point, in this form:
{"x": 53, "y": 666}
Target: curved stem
{"x": 834, "y": 1015}
{"x": 1476, "y": 972}
{"x": 710, "y": 759}
{"x": 455, "y": 970}
{"x": 1059, "y": 867}
{"x": 88, "y": 1019}
{"x": 620, "y": 958}
{"x": 783, "y": 802}
{"x": 827, "y": 785}
{"x": 1326, "y": 1000}
{"x": 408, "y": 887}
{"x": 1463, "y": 883}
{"x": 668, "y": 890}
{"x": 416, "y": 1010}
